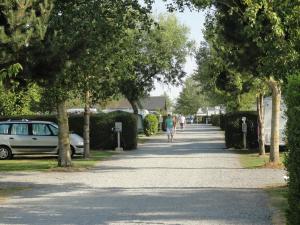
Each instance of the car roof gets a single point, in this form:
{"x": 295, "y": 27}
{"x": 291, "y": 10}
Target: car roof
{"x": 24, "y": 121}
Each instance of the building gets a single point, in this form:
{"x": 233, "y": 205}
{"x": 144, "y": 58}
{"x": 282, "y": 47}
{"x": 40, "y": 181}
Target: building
{"x": 153, "y": 103}
{"x": 208, "y": 111}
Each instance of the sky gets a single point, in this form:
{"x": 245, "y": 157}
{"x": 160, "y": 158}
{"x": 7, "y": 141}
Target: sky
{"x": 194, "y": 20}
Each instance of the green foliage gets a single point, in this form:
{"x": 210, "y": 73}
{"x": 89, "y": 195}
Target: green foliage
{"x": 22, "y": 23}
{"x": 233, "y": 129}
{"x": 158, "y": 54}
{"x": 101, "y": 125}
{"x": 293, "y": 160}
{"x": 150, "y": 124}
{"x": 222, "y": 121}
{"x": 216, "y": 81}
{"x": 215, "y": 120}
{"x": 191, "y": 99}
{"x": 19, "y": 100}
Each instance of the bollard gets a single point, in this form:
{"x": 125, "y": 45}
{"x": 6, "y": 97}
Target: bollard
{"x": 118, "y": 129}
{"x": 244, "y": 130}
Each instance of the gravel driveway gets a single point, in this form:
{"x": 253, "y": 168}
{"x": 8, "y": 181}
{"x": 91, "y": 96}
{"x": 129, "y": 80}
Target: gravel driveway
{"x": 193, "y": 180}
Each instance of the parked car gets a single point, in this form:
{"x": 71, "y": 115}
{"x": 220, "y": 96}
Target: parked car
{"x": 33, "y": 137}
{"x": 268, "y": 122}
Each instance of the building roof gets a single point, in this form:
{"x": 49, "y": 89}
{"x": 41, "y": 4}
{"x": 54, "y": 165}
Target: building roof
{"x": 208, "y": 111}
{"x": 152, "y": 103}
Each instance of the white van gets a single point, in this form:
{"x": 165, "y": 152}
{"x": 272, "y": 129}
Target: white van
{"x": 26, "y": 137}
{"x": 268, "y": 119}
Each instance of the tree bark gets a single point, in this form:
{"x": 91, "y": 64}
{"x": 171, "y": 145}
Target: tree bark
{"x": 134, "y": 106}
{"x": 261, "y": 123}
{"x": 64, "y": 157}
{"x": 86, "y": 126}
{"x": 275, "y": 123}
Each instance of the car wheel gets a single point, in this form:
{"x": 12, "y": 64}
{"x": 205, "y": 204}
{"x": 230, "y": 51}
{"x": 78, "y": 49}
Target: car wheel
{"x": 5, "y": 153}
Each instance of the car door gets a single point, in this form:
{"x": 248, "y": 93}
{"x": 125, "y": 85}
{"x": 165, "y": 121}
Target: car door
{"x": 19, "y": 138}
{"x": 43, "y": 139}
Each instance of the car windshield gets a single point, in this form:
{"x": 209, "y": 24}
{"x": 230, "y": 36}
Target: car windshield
{"x": 54, "y": 128}
{"x": 55, "y": 125}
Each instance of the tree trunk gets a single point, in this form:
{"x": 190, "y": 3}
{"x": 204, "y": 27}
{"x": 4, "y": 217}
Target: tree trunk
{"x": 64, "y": 157}
{"x": 276, "y": 98}
{"x": 134, "y": 106}
{"x": 86, "y": 126}
{"x": 261, "y": 123}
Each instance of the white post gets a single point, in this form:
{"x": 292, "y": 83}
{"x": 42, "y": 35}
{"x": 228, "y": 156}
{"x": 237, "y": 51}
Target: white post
{"x": 244, "y": 130}
{"x": 118, "y": 128}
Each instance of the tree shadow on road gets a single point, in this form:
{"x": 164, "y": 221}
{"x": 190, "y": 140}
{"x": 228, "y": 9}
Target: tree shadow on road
{"x": 78, "y": 204}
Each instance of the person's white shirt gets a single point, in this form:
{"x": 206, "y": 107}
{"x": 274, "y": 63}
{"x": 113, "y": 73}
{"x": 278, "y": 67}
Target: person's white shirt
{"x": 182, "y": 119}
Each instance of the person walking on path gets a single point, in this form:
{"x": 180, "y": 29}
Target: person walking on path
{"x": 182, "y": 121}
{"x": 170, "y": 128}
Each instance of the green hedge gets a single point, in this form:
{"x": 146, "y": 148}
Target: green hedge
{"x": 101, "y": 134}
{"x": 215, "y": 120}
{"x": 222, "y": 121}
{"x": 233, "y": 129}
{"x": 150, "y": 124}
{"x": 208, "y": 118}
{"x": 293, "y": 139}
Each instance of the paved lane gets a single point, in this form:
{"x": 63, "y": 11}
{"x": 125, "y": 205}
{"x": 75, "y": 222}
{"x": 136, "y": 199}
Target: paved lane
{"x": 193, "y": 180}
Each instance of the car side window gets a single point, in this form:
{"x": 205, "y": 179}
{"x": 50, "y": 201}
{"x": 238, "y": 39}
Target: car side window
{"x": 19, "y": 129}
{"x": 4, "y": 128}
{"x": 40, "y": 129}
{"x": 54, "y": 130}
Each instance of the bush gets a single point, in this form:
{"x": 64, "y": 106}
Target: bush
{"x": 233, "y": 129}
{"x": 101, "y": 134}
{"x": 215, "y": 120}
{"x": 222, "y": 121}
{"x": 150, "y": 124}
{"x": 293, "y": 142}
{"x": 206, "y": 118}
{"x": 198, "y": 119}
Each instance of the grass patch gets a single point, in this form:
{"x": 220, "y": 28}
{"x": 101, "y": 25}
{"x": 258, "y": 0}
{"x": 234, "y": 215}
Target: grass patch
{"x": 142, "y": 139}
{"x": 278, "y": 200}
{"x": 50, "y": 163}
{"x": 251, "y": 160}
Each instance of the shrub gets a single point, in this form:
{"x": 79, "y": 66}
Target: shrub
{"x": 206, "y": 118}
{"x": 293, "y": 142}
{"x": 233, "y": 129}
{"x": 150, "y": 125}
{"x": 222, "y": 121}
{"x": 215, "y": 120}
{"x": 101, "y": 134}
{"x": 198, "y": 119}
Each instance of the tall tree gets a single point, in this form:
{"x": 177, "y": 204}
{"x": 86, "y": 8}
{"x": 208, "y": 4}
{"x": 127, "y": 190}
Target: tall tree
{"x": 269, "y": 30}
{"x": 22, "y": 22}
{"x": 158, "y": 54}
{"x": 75, "y": 29}
{"x": 191, "y": 99}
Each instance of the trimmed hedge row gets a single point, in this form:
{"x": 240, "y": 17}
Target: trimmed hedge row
{"x": 101, "y": 134}
{"x": 206, "y": 118}
{"x": 222, "y": 121}
{"x": 215, "y": 120}
{"x": 150, "y": 124}
{"x": 292, "y": 101}
{"x": 233, "y": 129}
